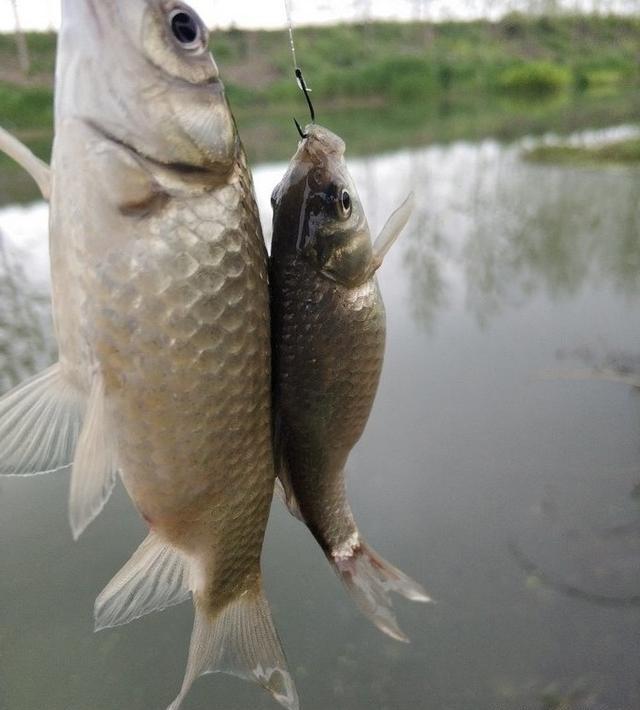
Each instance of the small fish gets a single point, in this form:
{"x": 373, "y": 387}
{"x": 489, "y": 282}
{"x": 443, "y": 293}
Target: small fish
{"x": 328, "y": 324}
{"x": 161, "y": 305}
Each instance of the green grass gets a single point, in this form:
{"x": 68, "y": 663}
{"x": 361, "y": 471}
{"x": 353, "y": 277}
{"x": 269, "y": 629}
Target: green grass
{"x": 24, "y": 108}
{"x": 386, "y": 62}
{"x": 420, "y": 82}
{"x": 535, "y": 79}
{"x": 625, "y": 152}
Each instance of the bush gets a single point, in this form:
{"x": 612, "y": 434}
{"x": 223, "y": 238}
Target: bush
{"x": 534, "y": 78}
{"x": 25, "y": 107}
{"x": 400, "y": 77}
{"x": 599, "y": 79}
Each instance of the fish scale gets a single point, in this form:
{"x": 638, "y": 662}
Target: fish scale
{"x": 331, "y": 378}
{"x": 197, "y": 374}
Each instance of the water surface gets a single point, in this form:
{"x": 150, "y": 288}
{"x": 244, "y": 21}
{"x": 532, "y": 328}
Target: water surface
{"x": 500, "y": 468}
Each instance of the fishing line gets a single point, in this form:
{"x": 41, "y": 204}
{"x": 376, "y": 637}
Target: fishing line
{"x": 298, "y": 72}
{"x": 287, "y": 7}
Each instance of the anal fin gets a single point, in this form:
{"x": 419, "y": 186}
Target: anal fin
{"x": 155, "y": 578}
{"x": 40, "y": 422}
{"x": 93, "y": 475}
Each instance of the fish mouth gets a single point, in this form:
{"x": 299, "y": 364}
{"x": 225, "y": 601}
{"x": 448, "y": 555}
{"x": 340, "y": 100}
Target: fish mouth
{"x": 183, "y": 169}
{"x": 321, "y": 144}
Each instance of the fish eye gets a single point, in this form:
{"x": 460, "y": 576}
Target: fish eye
{"x": 186, "y": 28}
{"x": 345, "y": 203}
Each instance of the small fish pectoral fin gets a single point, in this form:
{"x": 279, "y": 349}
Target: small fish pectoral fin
{"x": 392, "y": 230}
{"x": 36, "y": 168}
{"x": 93, "y": 475}
{"x": 240, "y": 640}
{"x": 369, "y": 579}
{"x": 40, "y": 422}
{"x": 284, "y": 485}
{"x": 284, "y": 491}
{"x": 155, "y": 578}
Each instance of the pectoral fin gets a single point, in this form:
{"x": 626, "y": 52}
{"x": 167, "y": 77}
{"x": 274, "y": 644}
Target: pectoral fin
{"x": 128, "y": 184}
{"x": 19, "y": 152}
{"x": 40, "y": 422}
{"x": 284, "y": 485}
{"x": 93, "y": 475}
{"x": 392, "y": 230}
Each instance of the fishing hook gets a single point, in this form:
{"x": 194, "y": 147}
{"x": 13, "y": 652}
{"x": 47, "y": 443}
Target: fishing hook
{"x": 305, "y": 90}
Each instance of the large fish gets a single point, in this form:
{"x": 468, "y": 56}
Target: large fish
{"x": 328, "y": 324}
{"x": 161, "y": 310}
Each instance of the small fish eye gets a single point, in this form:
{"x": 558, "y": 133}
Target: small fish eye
{"x": 345, "y": 202}
{"x": 186, "y": 29}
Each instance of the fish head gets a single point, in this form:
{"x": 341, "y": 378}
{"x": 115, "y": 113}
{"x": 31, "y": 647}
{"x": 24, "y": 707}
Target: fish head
{"x": 318, "y": 213}
{"x": 141, "y": 73}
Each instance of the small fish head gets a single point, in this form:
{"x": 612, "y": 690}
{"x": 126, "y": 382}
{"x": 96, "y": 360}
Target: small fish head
{"x": 140, "y": 71}
{"x": 318, "y": 213}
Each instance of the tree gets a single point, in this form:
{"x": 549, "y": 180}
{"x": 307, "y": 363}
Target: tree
{"x": 21, "y": 42}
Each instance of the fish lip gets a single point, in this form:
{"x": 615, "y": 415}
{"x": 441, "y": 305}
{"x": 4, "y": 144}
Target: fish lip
{"x": 186, "y": 169}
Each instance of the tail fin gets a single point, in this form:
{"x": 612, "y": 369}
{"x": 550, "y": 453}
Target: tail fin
{"x": 155, "y": 578}
{"x": 240, "y": 640}
{"x": 369, "y": 579}
{"x": 40, "y": 422}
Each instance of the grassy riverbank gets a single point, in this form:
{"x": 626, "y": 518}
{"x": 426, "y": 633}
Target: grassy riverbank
{"x": 381, "y": 63}
{"x": 386, "y": 85}
{"x": 626, "y": 152}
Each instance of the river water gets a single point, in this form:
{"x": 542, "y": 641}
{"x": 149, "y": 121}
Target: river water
{"x": 500, "y": 467}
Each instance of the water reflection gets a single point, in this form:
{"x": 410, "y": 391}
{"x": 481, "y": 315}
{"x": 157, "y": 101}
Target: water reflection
{"x": 489, "y": 229}
{"x": 495, "y": 231}
{"x": 613, "y": 365}
{"x": 26, "y": 342}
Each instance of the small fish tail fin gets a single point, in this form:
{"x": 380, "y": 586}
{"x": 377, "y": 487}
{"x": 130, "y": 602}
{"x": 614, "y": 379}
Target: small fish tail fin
{"x": 369, "y": 579}
{"x": 240, "y": 640}
{"x": 155, "y": 578}
{"x": 40, "y": 423}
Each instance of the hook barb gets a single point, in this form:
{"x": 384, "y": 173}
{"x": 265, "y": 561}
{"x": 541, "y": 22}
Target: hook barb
{"x": 299, "y": 127}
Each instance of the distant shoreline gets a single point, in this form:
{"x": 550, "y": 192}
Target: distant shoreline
{"x": 390, "y": 84}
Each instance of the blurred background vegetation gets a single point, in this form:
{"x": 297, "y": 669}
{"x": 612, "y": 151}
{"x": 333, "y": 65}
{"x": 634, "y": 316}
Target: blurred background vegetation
{"x": 419, "y": 81}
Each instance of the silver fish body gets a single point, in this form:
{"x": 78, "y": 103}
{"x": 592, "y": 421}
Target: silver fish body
{"x": 161, "y": 307}
{"x": 328, "y": 343}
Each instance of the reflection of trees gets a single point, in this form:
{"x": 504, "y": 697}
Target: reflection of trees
{"x": 613, "y": 365}
{"x": 26, "y": 341}
{"x": 512, "y": 230}
{"x": 570, "y": 590}
{"x": 428, "y": 280}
